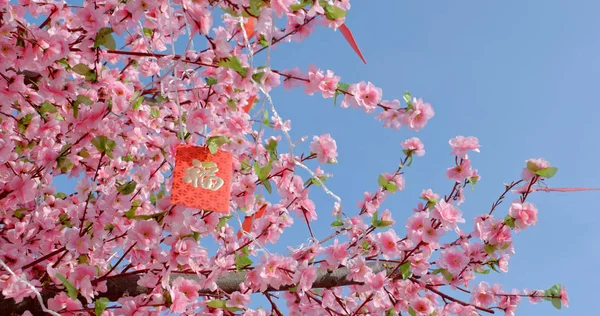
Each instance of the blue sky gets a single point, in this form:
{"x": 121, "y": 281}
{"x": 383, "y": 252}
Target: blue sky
{"x": 519, "y": 75}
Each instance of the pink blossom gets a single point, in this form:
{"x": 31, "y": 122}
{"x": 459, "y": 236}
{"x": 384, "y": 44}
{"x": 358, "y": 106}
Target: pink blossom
{"x": 461, "y": 172}
{"x": 325, "y": 148}
{"x": 328, "y": 85}
{"x": 525, "y": 214}
{"x": 82, "y": 278}
{"x": 415, "y": 225}
{"x": 336, "y": 253}
{"x": 375, "y": 282}
{"x": 430, "y": 234}
{"x": 388, "y": 241}
{"x": 564, "y": 297}
{"x": 447, "y": 214}
{"x": 367, "y": 96}
{"x": 398, "y": 180}
{"x": 461, "y": 145}
{"x": 23, "y": 189}
{"x": 281, "y": 7}
{"x": 482, "y": 295}
{"x": 422, "y": 306}
{"x": 453, "y": 259}
{"x": 61, "y": 301}
{"x": 358, "y": 269}
{"x": 417, "y": 115}
{"x": 184, "y": 292}
{"x": 146, "y": 233}
{"x": 533, "y": 165}
{"x": 200, "y": 17}
{"x": 238, "y": 300}
{"x": 17, "y": 289}
{"x": 291, "y": 78}
{"x": 414, "y": 146}
{"x": 305, "y": 276}
{"x": 391, "y": 116}
{"x": 270, "y": 80}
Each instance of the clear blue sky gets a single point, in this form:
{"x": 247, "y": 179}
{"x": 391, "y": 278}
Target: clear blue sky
{"x": 522, "y": 76}
{"x": 519, "y": 75}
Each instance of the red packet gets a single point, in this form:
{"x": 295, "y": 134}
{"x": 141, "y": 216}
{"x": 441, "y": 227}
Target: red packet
{"x": 202, "y": 180}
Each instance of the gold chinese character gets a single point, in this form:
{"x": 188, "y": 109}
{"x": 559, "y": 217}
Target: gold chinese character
{"x": 203, "y": 174}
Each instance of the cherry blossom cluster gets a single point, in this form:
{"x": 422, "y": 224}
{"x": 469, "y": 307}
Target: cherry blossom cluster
{"x": 102, "y": 93}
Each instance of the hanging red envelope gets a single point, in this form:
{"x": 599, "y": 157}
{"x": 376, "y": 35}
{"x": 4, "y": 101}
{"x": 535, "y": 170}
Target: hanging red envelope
{"x": 202, "y": 180}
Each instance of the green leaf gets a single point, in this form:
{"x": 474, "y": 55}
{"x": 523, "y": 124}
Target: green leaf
{"x": 100, "y": 305}
{"x": 148, "y": 32}
{"x": 447, "y": 275}
{"x": 405, "y": 269}
{"x": 63, "y": 62}
{"x": 255, "y": 6}
{"x": 509, "y": 221}
{"x": 64, "y": 220}
{"x": 214, "y": 142}
{"x": 374, "y": 219}
{"x": 104, "y": 145}
{"x": 547, "y": 172}
{"x": 85, "y": 71}
{"x": 64, "y": 164}
{"x": 473, "y": 182}
{"x": 83, "y": 153}
{"x": 489, "y": 249}
{"x": 532, "y": 166}
{"x": 262, "y": 40}
{"x": 333, "y": 13}
{"x": 315, "y": 182}
{"x": 211, "y": 81}
{"x": 82, "y": 69}
{"x": 84, "y": 99}
{"x": 391, "y": 186}
{"x": 60, "y": 195}
{"x": 258, "y": 76}
{"x": 411, "y": 311}
{"x": 554, "y": 290}
{"x": 556, "y": 303}
{"x": 389, "y": 312}
{"x": 337, "y": 224}
{"x": 47, "y": 107}
{"x": 222, "y": 221}
{"x": 407, "y": 98}
{"x": 263, "y": 172}
{"x": 130, "y": 214}
{"x": 71, "y": 290}
{"x": 242, "y": 261}
{"x": 382, "y": 224}
{"x": 154, "y": 112}
{"x": 302, "y": 4}
{"x": 494, "y": 266}
{"x": 217, "y": 303}
{"x": 234, "y": 63}
{"x": 127, "y": 188}
{"x": 267, "y": 185}
{"x": 382, "y": 181}
{"x": 24, "y": 122}
{"x": 482, "y": 271}
{"x": 138, "y": 103}
{"x": 410, "y": 161}
{"x": 342, "y": 86}
{"x": 272, "y": 149}
{"x": 104, "y": 38}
